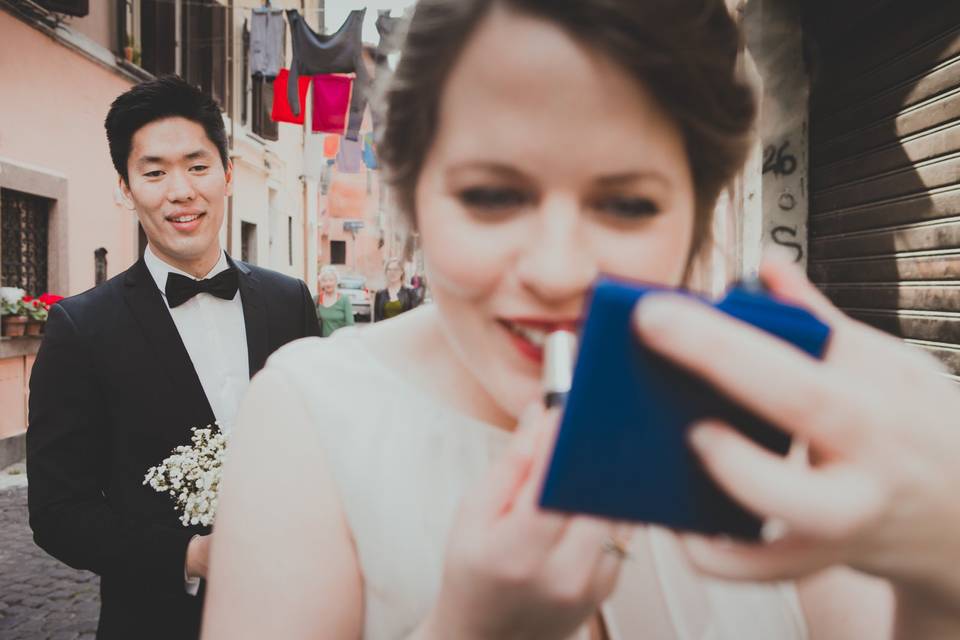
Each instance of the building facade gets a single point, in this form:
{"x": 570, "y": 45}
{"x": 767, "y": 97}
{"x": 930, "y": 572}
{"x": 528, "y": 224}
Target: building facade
{"x": 64, "y": 227}
{"x": 856, "y": 171}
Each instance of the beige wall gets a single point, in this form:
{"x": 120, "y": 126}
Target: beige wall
{"x": 100, "y": 25}
{"x": 53, "y": 122}
{"x": 348, "y": 199}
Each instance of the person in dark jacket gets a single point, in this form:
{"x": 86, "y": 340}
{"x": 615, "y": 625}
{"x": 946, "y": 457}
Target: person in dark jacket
{"x": 125, "y": 370}
{"x": 395, "y": 298}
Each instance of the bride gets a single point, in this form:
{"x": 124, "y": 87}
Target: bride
{"x": 382, "y": 483}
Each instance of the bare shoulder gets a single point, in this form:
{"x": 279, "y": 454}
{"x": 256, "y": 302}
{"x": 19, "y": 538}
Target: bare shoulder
{"x": 281, "y": 531}
{"x": 404, "y": 338}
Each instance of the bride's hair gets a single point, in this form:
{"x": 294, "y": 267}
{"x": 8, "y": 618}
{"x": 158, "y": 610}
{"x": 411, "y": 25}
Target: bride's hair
{"x": 683, "y": 51}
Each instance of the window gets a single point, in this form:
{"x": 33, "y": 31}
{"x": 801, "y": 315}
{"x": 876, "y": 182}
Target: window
{"x": 261, "y": 104}
{"x": 338, "y": 252}
{"x": 290, "y": 239}
{"x": 152, "y": 30}
{"x": 248, "y": 242}
{"x": 260, "y": 91}
{"x": 149, "y": 34}
{"x": 204, "y": 63}
{"x": 24, "y": 220}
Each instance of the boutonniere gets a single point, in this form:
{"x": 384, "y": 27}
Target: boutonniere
{"x": 191, "y": 475}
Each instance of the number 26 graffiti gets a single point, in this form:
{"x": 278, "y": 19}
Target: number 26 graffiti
{"x": 777, "y": 160}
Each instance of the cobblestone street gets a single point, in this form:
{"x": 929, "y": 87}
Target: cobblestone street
{"x": 40, "y": 598}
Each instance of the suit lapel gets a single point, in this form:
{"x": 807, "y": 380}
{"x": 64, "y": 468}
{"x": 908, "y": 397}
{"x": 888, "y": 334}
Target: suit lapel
{"x": 254, "y": 316}
{"x": 147, "y": 306}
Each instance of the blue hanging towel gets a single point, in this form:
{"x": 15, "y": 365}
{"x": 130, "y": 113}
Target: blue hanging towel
{"x": 369, "y": 155}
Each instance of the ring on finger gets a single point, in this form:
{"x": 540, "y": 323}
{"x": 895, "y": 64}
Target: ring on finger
{"x": 616, "y": 547}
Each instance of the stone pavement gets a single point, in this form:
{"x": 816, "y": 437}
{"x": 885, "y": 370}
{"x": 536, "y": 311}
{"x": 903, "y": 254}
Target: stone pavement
{"x": 40, "y": 598}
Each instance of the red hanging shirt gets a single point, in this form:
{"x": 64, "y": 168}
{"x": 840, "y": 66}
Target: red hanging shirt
{"x": 281, "y": 111}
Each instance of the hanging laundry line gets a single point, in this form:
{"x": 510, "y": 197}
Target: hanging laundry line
{"x": 331, "y": 66}
{"x": 198, "y": 3}
{"x": 339, "y": 52}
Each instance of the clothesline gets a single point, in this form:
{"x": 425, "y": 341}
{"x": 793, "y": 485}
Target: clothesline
{"x": 194, "y": 3}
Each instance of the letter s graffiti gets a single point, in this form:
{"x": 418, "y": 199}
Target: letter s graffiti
{"x": 778, "y": 235}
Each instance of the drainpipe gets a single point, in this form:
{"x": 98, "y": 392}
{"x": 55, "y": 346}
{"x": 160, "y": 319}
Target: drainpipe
{"x": 231, "y": 112}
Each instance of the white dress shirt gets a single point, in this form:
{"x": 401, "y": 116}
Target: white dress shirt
{"x": 214, "y": 333}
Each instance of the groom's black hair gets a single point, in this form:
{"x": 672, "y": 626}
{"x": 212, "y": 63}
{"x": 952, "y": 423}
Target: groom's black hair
{"x": 165, "y": 97}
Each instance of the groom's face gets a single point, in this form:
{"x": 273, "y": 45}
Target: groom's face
{"x": 178, "y": 185}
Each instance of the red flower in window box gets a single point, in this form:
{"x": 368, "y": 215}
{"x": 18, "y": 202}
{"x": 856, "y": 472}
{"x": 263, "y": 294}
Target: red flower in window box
{"x": 38, "y": 310}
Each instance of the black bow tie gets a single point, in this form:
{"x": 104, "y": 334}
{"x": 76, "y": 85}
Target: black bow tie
{"x": 180, "y": 288}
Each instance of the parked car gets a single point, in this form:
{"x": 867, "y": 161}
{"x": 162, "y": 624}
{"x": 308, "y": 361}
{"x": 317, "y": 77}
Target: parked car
{"x": 354, "y": 287}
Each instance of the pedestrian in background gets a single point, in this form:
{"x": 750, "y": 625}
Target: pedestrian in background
{"x": 419, "y": 285}
{"x": 333, "y": 308}
{"x": 395, "y": 298}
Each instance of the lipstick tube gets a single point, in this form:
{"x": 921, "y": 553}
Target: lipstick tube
{"x": 559, "y": 353}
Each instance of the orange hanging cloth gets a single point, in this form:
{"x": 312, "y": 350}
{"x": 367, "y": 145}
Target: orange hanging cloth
{"x": 331, "y": 144}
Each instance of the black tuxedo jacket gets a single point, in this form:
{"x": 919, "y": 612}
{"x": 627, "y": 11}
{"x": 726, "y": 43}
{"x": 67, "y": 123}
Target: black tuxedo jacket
{"x": 112, "y": 392}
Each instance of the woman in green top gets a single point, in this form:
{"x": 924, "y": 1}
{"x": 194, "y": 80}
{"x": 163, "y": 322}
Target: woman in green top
{"x": 334, "y": 309}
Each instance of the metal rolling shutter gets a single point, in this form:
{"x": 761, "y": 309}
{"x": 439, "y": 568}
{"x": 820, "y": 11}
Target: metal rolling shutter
{"x": 884, "y": 221}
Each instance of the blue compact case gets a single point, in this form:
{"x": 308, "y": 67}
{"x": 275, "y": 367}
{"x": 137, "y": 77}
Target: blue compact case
{"x": 622, "y": 453}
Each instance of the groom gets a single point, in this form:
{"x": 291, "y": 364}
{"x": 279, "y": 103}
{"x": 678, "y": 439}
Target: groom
{"x": 126, "y": 369}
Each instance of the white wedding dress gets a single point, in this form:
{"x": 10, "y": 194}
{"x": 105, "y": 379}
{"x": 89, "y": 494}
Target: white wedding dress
{"x": 401, "y": 462}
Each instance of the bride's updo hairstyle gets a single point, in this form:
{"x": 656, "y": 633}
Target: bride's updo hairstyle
{"x": 684, "y": 52}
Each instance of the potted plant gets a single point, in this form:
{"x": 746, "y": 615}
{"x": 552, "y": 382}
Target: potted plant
{"x": 36, "y": 315}
{"x": 13, "y": 312}
{"x": 38, "y": 309}
{"x": 128, "y": 49}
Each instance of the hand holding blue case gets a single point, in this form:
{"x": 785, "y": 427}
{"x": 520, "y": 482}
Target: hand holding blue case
{"x": 622, "y": 453}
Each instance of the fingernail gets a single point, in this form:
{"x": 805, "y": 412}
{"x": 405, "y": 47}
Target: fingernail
{"x": 703, "y": 436}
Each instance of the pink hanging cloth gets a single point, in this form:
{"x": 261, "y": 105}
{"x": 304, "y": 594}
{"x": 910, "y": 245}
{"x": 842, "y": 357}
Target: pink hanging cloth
{"x": 331, "y": 101}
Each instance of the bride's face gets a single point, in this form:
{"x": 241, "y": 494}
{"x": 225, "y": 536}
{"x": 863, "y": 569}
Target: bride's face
{"x": 550, "y": 166}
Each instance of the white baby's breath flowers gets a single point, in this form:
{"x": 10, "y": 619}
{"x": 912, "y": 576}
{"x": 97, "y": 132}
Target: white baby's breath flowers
{"x": 191, "y": 475}
{"x": 11, "y": 295}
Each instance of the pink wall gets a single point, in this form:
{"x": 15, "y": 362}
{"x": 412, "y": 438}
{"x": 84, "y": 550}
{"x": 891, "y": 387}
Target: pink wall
{"x": 13, "y": 418}
{"x": 51, "y": 116}
{"x": 347, "y": 198}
